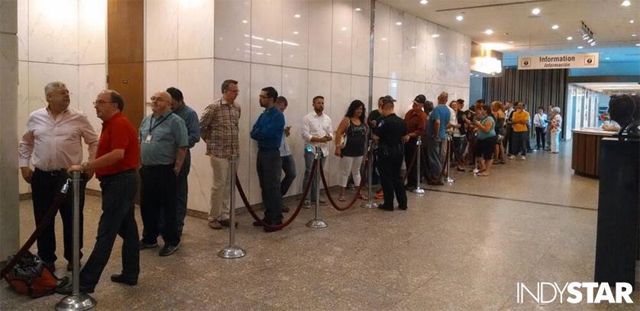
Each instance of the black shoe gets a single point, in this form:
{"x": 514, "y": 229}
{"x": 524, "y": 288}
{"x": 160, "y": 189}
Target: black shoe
{"x": 120, "y": 278}
{"x": 50, "y": 265}
{"x": 285, "y": 209}
{"x": 70, "y": 266}
{"x": 410, "y": 188}
{"x": 145, "y": 245}
{"x": 226, "y": 223}
{"x": 66, "y": 288}
{"x": 272, "y": 229}
{"x": 385, "y": 208}
{"x": 168, "y": 249}
{"x": 435, "y": 182}
{"x": 403, "y": 207}
{"x": 258, "y": 223}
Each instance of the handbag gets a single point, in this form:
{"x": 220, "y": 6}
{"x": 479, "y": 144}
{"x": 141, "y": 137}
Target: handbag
{"x": 30, "y": 276}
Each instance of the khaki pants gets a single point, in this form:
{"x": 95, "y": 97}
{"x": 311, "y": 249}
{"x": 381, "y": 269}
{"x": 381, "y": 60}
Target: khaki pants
{"x": 219, "y": 202}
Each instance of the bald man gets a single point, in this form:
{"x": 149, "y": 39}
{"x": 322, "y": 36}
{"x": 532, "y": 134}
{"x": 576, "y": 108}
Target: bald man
{"x": 163, "y": 146}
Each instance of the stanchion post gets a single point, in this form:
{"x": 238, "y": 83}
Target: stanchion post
{"x": 419, "y": 191}
{"x": 317, "y": 222}
{"x": 370, "y": 202}
{"x": 449, "y": 180}
{"x": 232, "y": 251}
{"x": 77, "y": 300}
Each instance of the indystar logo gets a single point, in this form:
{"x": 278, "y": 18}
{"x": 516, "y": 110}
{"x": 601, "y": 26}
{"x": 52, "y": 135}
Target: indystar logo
{"x": 574, "y": 292}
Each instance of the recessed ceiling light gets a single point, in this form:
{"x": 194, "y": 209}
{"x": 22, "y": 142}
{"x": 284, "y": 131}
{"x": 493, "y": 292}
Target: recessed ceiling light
{"x": 423, "y": 2}
{"x": 441, "y": 53}
{"x": 435, "y": 35}
{"x": 399, "y": 23}
{"x": 295, "y": 32}
{"x": 592, "y": 43}
{"x": 358, "y": 9}
{"x": 344, "y": 28}
{"x": 631, "y": 21}
{"x": 296, "y": 15}
{"x": 554, "y": 27}
{"x": 488, "y": 32}
{"x": 625, "y": 3}
{"x": 535, "y": 11}
{"x": 459, "y": 18}
{"x": 383, "y": 39}
{"x": 569, "y": 38}
{"x": 607, "y": 58}
{"x": 244, "y": 21}
{"x": 580, "y": 47}
{"x": 637, "y": 44}
{"x": 634, "y": 35}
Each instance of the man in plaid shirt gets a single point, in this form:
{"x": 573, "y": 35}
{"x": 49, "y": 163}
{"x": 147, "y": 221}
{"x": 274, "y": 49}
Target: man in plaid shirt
{"x": 219, "y": 129}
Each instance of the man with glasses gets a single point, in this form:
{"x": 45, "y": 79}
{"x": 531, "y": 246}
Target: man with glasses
{"x": 51, "y": 143}
{"x": 163, "y": 145}
{"x": 117, "y": 158}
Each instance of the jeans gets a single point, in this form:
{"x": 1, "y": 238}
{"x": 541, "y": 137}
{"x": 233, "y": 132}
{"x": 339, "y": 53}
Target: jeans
{"x": 308, "y": 162}
{"x": 289, "y": 168}
{"x": 519, "y": 141}
{"x": 392, "y": 182}
{"x": 434, "y": 159}
{"x": 459, "y": 144}
{"x": 158, "y": 196}
{"x": 118, "y": 194}
{"x": 540, "y": 138}
{"x": 45, "y": 186}
{"x": 269, "y": 166}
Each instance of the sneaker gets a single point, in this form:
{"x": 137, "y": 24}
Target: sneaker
{"x": 215, "y": 224}
{"x": 168, "y": 250}
{"x": 523, "y": 157}
{"x": 145, "y": 245}
{"x": 512, "y": 157}
{"x": 307, "y": 204}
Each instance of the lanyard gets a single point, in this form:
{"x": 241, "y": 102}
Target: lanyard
{"x": 157, "y": 123}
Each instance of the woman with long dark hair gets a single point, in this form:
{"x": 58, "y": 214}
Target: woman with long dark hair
{"x": 351, "y": 137}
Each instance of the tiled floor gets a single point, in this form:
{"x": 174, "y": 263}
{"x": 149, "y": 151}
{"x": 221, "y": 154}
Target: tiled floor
{"x": 530, "y": 221}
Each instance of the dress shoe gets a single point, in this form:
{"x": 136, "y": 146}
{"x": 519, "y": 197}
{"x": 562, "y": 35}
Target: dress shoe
{"x": 145, "y": 245}
{"x": 50, "y": 265}
{"x": 259, "y": 223}
{"x": 272, "y": 229}
{"x": 285, "y": 209}
{"x": 403, "y": 207}
{"x": 120, "y": 278}
{"x": 385, "y": 208}
{"x": 66, "y": 288}
{"x": 435, "y": 182}
{"x": 70, "y": 266}
{"x": 168, "y": 249}
{"x": 215, "y": 224}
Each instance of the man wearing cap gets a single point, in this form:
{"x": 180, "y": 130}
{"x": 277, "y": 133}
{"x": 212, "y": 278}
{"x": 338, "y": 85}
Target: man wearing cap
{"x": 436, "y": 133}
{"x": 190, "y": 118}
{"x": 415, "y": 121}
{"x": 390, "y": 134}
{"x": 163, "y": 146}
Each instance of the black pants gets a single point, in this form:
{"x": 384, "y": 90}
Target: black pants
{"x": 390, "y": 178}
{"x": 269, "y": 166}
{"x": 289, "y": 168}
{"x": 540, "y": 137}
{"x": 158, "y": 196}
{"x": 118, "y": 193}
{"x": 410, "y": 149}
{"x": 519, "y": 142}
{"x": 44, "y": 187}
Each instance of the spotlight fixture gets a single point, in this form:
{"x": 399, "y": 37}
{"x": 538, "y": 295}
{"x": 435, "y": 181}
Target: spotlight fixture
{"x": 631, "y": 21}
{"x": 535, "y": 11}
{"x": 554, "y": 27}
{"x": 423, "y": 2}
{"x": 587, "y": 34}
{"x": 488, "y": 32}
{"x": 625, "y": 3}
{"x": 580, "y": 47}
{"x": 569, "y": 38}
{"x": 460, "y": 18}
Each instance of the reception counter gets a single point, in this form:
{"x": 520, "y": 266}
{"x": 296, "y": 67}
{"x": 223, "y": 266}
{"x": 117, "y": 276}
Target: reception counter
{"x": 586, "y": 150}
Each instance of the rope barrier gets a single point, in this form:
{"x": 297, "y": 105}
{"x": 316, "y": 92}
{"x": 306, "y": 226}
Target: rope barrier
{"x": 355, "y": 197}
{"x": 295, "y": 213}
{"x": 410, "y": 166}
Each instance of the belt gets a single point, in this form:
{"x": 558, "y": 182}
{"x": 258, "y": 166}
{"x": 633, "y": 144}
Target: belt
{"x": 57, "y": 172}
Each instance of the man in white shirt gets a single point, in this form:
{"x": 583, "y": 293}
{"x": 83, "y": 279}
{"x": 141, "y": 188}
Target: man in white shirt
{"x": 52, "y": 143}
{"x": 316, "y": 132}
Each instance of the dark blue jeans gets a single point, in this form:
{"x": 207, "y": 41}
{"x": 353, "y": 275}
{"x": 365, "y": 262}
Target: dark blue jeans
{"x": 434, "y": 159}
{"x": 44, "y": 187}
{"x": 289, "y": 168}
{"x": 308, "y": 163}
{"x": 269, "y": 166}
{"x": 118, "y": 193}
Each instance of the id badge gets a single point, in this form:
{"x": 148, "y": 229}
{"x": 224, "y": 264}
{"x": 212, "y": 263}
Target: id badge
{"x": 148, "y": 139}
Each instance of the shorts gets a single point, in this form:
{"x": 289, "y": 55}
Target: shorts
{"x": 485, "y": 148}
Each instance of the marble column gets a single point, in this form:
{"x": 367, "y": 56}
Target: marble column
{"x": 9, "y": 212}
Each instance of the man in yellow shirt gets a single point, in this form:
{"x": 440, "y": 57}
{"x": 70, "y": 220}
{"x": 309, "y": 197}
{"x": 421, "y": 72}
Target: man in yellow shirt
{"x": 520, "y": 121}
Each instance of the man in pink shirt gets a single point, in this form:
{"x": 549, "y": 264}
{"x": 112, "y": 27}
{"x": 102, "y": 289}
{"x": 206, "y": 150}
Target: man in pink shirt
{"x": 52, "y": 143}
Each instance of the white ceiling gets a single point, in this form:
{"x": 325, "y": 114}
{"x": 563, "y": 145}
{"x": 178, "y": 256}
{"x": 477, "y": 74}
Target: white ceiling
{"x": 511, "y": 20}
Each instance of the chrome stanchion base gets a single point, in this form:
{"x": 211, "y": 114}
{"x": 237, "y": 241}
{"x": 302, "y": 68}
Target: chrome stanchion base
{"x": 450, "y": 181}
{"x": 419, "y": 191}
{"x": 76, "y": 303}
{"x": 231, "y": 252}
{"x": 317, "y": 224}
{"x": 371, "y": 204}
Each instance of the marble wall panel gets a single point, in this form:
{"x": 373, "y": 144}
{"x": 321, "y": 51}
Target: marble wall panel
{"x": 23, "y": 30}
{"x": 295, "y": 34}
{"x": 381, "y": 41}
{"x": 8, "y": 16}
{"x": 195, "y": 29}
{"x": 92, "y": 38}
{"x": 380, "y": 88}
{"x": 339, "y": 102}
{"x": 91, "y": 80}
{"x": 159, "y": 76}
{"x": 232, "y": 30}
{"x": 409, "y": 47}
{"x": 360, "y": 37}
{"x": 161, "y": 29}
{"x": 396, "y": 29}
{"x": 266, "y": 32}
{"x": 294, "y": 88}
{"x": 320, "y": 29}
{"x": 342, "y": 33}
{"x": 360, "y": 89}
{"x": 42, "y": 73}
{"x": 53, "y": 31}
{"x": 421, "y": 51}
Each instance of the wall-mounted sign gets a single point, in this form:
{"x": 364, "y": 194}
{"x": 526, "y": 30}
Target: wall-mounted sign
{"x": 559, "y": 61}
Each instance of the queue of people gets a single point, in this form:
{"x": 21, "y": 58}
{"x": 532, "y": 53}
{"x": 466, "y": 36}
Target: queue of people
{"x": 159, "y": 151}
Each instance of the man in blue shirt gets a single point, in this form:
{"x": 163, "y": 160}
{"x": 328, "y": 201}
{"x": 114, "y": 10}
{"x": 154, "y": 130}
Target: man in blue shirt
{"x": 436, "y": 134}
{"x": 191, "y": 120}
{"x": 267, "y": 132}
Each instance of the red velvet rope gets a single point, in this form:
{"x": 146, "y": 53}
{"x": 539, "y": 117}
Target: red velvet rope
{"x": 355, "y": 197}
{"x": 410, "y": 166}
{"x": 295, "y": 213}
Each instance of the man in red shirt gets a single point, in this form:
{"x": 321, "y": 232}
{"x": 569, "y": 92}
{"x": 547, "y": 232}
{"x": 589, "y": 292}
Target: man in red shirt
{"x": 415, "y": 121}
{"x": 117, "y": 159}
